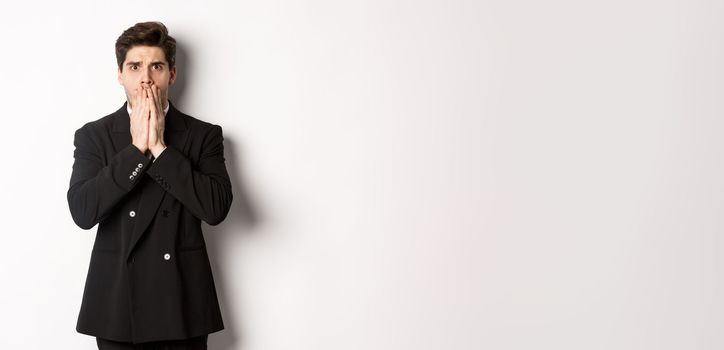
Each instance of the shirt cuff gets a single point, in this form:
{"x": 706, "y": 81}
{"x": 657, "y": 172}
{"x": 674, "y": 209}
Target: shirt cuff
{"x": 159, "y": 154}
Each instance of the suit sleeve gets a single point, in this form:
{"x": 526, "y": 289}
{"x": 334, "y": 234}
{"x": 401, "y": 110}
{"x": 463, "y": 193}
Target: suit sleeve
{"x": 95, "y": 187}
{"x": 204, "y": 189}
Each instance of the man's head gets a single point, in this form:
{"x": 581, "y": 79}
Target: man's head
{"x": 146, "y": 56}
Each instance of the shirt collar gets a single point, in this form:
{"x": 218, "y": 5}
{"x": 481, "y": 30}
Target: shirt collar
{"x": 165, "y": 110}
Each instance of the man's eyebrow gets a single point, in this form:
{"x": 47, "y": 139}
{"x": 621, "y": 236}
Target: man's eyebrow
{"x": 139, "y": 63}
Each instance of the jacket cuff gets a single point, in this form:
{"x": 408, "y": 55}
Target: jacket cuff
{"x": 132, "y": 165}
{"x": 167, "y": 164}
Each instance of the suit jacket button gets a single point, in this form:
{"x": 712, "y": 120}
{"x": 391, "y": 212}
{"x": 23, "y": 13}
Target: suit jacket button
{"x": 167, "y": 256}
{"x": 130, "y": 177}
{"x": 132, "y": 213}
{"x": 140, "y": 165}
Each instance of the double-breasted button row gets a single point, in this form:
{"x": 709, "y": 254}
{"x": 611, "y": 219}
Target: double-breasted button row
{"x": 136, "y": 171}
{"x": 166, "y": 256}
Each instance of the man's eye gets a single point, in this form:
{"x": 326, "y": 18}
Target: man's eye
{"x": 134, "y": 67}
{"x": 157, "y": 67}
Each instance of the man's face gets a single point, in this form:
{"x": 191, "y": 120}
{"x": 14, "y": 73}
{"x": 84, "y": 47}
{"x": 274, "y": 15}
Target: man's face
{"x": 146, "y": 65}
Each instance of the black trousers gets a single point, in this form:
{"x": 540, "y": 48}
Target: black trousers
{"x": 196, "y": 343}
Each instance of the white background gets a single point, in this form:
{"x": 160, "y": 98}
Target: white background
{"x": 422, "y": 175}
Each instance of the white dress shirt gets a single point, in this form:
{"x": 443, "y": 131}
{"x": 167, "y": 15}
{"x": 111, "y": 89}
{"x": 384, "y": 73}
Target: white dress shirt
{"x": 165, "y": 110}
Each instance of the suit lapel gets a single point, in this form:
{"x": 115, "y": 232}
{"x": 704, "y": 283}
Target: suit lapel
{"x": 175, "y": 134}
{"x": 121, "y": 133}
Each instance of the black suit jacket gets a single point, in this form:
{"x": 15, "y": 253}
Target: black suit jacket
{"x": 149, "y": 276}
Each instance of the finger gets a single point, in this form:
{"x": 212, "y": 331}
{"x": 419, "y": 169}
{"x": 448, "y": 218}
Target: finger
{"x": 152, "y": 132}
{"x": 149, "y": 104}
{"x": 137, "y": 104}
{"x": 148, "y": 98}
{"x": 161, "y": 99}
{"x": 157, "y": 96}
{"x": 152, "y": 94}
{"x": 146, "y": 108}
{"x": 152, "y": 103}
{"x": 146, "y": 118}
{"x": 157, "y": 100}
{"x": 153, "y": 115}
{"x": 151, "y": 100}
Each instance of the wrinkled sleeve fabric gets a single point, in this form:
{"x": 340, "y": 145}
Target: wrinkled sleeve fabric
{"x": 95, "y": 187}
{"x": 204, "y": 189}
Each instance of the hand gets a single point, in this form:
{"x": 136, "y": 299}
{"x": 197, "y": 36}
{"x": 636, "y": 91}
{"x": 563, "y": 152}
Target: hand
{"x": 140, "y": 121}
{"x": 157, "y": 120}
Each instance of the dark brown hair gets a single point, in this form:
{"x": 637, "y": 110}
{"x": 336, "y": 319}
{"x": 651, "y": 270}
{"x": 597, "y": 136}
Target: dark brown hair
{"x": 146, "y": 34}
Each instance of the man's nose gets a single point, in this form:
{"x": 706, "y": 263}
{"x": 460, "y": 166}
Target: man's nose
{"x": 146, "y": 77}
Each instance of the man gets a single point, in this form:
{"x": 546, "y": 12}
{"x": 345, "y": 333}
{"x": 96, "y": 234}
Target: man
{"x": 148, "y": 174}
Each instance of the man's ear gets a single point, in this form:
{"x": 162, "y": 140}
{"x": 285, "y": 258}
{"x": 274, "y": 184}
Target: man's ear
{"x": 172, "y": 75}
{"x": 120, "y": 80}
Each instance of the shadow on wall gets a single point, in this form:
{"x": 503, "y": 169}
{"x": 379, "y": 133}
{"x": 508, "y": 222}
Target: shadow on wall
{"x": 220, "y": 243}
{"x": 242, "y": 218}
